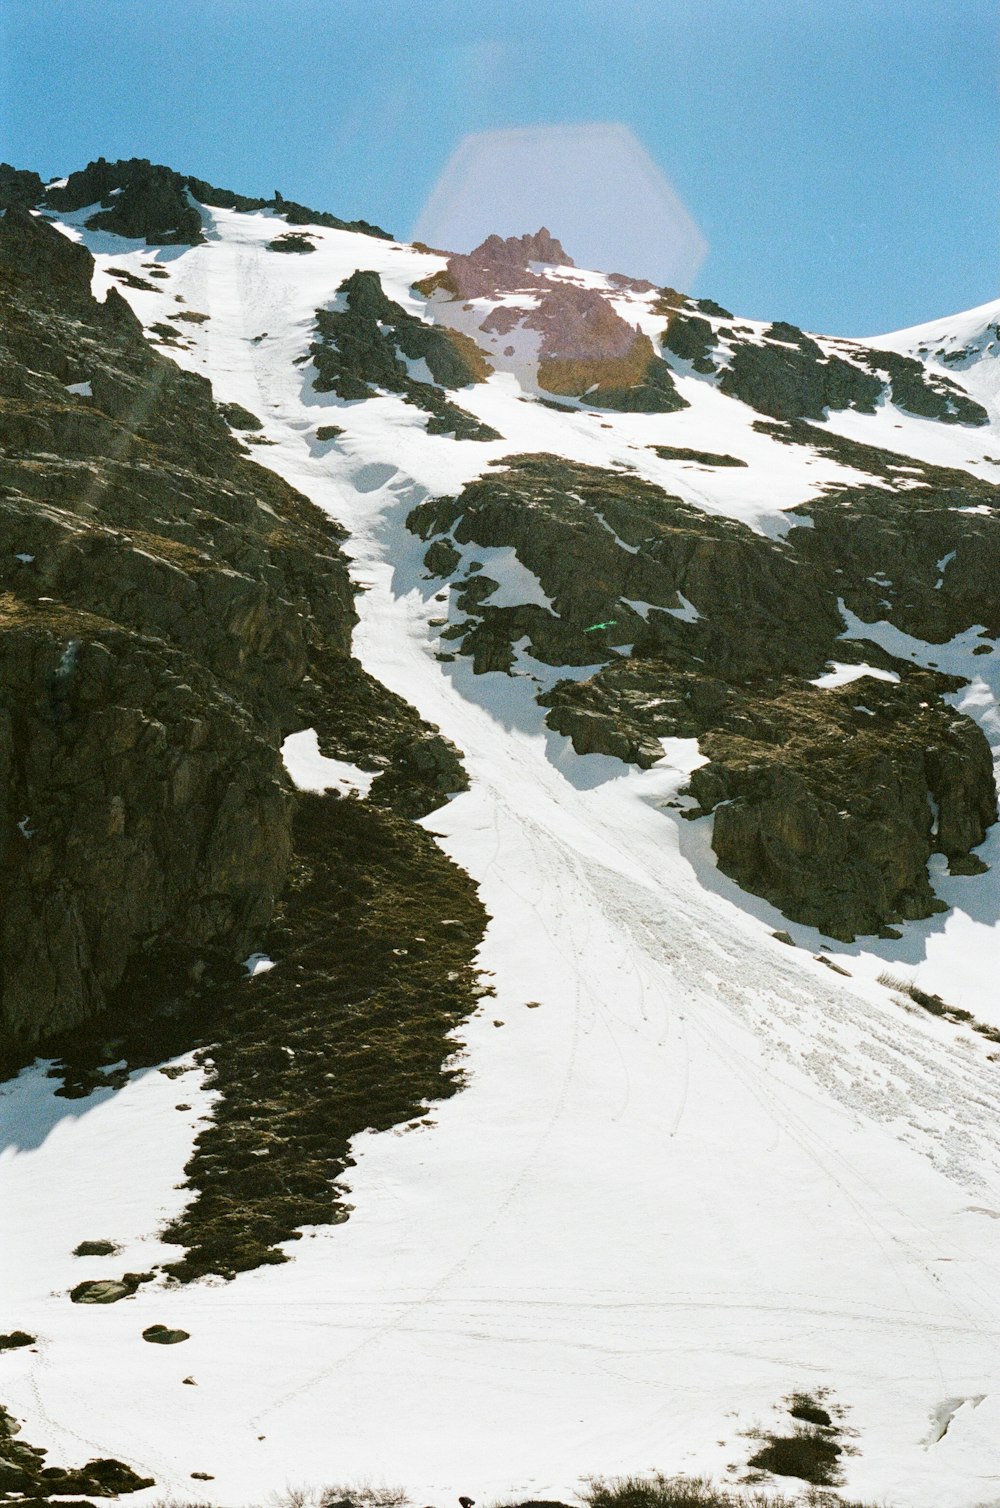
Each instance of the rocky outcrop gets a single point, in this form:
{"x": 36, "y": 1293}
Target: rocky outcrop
{"x": 363, "y": 349}
{"x": 791, "y": 378}
{"x": 828, "y": 802}
{"x": 301, "y": 214}
{"x": 150, "y": 202}
{"x": 167, "y": 612}
{"x": 138, "y": 199}
{"x": 498, "y": 265}
{"x": 587, "y": 350}
{"x": 785, "y": 373}
{"x": 825, "y": 802}
{"x": 930, "y": 395}
{"x": 19, "y": 188}
{"x": 691, "y": 338}
{"x": 292, "y": 242}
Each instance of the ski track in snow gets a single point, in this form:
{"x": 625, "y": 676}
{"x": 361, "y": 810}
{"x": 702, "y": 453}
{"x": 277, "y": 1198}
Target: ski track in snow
{"x": 702, "y": 1174}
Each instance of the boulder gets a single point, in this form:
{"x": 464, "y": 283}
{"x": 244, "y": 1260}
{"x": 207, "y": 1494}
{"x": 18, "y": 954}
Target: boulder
{"x": 162, "y": 1335}
{"x": 101, "y": 1291}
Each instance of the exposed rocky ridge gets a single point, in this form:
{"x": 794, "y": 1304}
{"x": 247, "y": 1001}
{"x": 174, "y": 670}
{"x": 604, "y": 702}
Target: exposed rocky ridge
{"x": 823, "y": 798}
{"x": 787, "y": 374}
{"x": 587, "y": 349}
{"x": 168, "y": 612}
{"x": 499, "y": 264}
{"x": 363, "y": 348}
{"x": 146, "y": 200}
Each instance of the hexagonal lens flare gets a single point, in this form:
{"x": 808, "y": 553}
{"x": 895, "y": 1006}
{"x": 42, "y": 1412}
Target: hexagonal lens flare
{"x": 594, "y": 186}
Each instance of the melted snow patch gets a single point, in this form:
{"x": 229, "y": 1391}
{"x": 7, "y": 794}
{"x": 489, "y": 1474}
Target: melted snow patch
{"x": 312, "y": 771}
{"x": 81, "y": 389}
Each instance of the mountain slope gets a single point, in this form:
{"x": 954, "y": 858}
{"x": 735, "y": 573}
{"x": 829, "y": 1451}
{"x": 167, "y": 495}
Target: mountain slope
{"x": 703, "y": 1171}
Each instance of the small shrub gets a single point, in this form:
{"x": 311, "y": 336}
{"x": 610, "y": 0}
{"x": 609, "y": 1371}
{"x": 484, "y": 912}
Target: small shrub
{"x": 673, "y": 1492}
{"x": 932, "y": 1003}
{"x": 339, "y": 1495}
{"x": 810, "y": 1457}
{"x": 897, "y": 982}
{"x": 362, "y": 1495}
{"x": 15, "y": 1340}
{"x": 659, "y": 1491}
{"x": 802, "y": 1406}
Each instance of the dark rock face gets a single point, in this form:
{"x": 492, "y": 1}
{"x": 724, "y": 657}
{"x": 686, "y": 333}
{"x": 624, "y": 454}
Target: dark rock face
{"x": 638, "y": 544}
{"x": 138, "y": 199}
{"x": 919, "y": 392}
{"x": 832, "y": 821}
{"x": 140, "y": 794}
{"x": 301, "y": 214}
{"x": 19, "y": 188}
{"x": 16, "y": 1340}
{"x": 167, "y": 612}
{"x": 36, "y": 255}
{"x": 238, "y": 417}
{"x": 692, "y": 339}
{"x": 788, "y": 375}
{"x": 292, "y": 242}
{"x": 361, "y": 350}
{"x": 143, "y": 813}
{"x": 822, "y": 798}
{"x": 795, "y": 380}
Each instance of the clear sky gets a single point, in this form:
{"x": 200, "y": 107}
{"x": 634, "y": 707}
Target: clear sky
{"x": 841, "y": 158}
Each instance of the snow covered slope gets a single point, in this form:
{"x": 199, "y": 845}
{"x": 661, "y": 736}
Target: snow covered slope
{"x": 966, "y": 348}
{"x": 694, "y": 1170}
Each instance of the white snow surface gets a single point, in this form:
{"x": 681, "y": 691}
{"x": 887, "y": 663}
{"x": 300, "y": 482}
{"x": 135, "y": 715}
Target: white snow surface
{"x": 840, "y": 674}
{"x": 971, "y": 341}
{"x": 704, "y": 1173}
{"x": 312, "y": 771}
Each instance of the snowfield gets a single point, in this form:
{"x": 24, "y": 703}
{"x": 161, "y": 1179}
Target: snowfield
{"x": 694, "y": 1169}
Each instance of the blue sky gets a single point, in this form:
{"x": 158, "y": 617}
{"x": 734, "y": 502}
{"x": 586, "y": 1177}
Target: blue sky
{"x": 841, "y": 158}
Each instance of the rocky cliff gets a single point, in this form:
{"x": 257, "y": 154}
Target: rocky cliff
{"x": 168, "y": 611}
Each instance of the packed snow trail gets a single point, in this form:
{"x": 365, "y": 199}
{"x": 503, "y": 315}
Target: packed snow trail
{"x": 692, "y": 1171}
